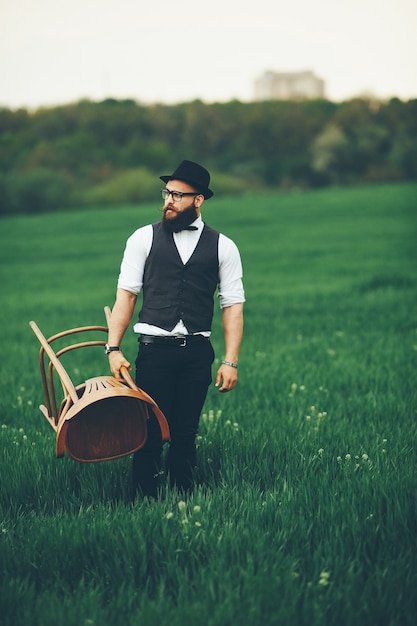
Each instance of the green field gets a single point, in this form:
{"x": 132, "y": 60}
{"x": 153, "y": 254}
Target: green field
{"x": 305, "y": 513}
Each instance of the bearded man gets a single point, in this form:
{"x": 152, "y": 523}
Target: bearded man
{"x": 178, "y": 264}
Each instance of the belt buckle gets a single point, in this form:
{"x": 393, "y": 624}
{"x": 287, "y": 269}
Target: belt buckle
{"x": 183, "y": 342}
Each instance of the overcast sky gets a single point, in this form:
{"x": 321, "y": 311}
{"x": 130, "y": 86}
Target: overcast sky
{"x": 58, "y": 51}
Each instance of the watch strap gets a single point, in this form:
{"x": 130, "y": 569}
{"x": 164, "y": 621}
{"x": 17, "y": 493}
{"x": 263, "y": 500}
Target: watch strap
{"x": 108, "y": 349}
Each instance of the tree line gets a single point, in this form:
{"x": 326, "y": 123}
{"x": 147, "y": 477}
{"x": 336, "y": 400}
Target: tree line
{"x": 112, "y": 151}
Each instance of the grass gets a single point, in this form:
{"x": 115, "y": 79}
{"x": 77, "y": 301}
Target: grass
{"x": 305, "y": 511}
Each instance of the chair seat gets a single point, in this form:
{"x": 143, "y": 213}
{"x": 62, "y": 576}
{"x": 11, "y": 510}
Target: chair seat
{"x": 108, "y": 422}
{"x": 108, "y": 429}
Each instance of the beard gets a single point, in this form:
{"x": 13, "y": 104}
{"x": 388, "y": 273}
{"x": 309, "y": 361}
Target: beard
{"x": 181, "y": 220}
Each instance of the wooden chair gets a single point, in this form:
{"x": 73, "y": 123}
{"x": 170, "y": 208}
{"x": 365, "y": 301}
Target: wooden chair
{"x": 102, "y": 419}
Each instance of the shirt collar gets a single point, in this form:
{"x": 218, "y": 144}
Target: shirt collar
{"x": 198, "y": 222}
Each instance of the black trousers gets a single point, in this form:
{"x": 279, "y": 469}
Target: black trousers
{"x": 177, "y": 378}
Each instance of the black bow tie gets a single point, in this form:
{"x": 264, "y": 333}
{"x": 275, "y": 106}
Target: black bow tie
{"x": 190, "y": 228}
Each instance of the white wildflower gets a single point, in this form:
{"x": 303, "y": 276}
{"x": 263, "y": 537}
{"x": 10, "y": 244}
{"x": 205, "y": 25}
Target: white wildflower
{"x": 324, "y": 579}
{"x": 182, "y": 507}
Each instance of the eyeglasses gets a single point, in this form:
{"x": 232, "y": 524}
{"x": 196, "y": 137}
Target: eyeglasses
{"x": 177, "y": 196}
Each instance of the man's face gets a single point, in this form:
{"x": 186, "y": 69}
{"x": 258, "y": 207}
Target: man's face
{"x": 179, "y": 213}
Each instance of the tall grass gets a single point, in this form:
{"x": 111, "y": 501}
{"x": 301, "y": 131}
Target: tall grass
{"x": 305, "y": 510}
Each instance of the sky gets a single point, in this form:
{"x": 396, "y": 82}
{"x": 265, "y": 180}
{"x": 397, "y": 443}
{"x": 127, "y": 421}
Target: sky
{"x": 59, "y": 51}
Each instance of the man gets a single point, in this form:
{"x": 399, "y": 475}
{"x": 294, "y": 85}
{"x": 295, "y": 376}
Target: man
{"x": 178, "y": 263}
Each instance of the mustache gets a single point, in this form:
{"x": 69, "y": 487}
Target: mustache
{"x": 168, "y": 208}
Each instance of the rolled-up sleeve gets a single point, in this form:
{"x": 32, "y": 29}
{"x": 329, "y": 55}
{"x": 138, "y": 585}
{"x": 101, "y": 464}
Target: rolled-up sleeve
{"x": 134, "y": 258}
{"x": 231, "y": 289}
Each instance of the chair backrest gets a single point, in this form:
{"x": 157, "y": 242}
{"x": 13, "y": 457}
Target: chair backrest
{"x": 47, "y": 371}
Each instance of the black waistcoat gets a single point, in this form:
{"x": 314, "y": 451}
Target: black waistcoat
{"x": 174, "y": 291}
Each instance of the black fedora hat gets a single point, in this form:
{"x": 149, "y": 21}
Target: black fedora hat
{"x": 193, "y": 174}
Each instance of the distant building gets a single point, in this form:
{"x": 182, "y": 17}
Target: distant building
{"x": 288, "y": 86}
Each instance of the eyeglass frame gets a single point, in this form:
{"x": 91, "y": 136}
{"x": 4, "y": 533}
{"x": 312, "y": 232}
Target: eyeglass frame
{"x": 179, "y": 194}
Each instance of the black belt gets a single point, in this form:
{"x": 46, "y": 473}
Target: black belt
{"x": 179, "y": 341}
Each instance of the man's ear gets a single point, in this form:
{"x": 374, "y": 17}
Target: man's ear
{"x": 199, "y": 200}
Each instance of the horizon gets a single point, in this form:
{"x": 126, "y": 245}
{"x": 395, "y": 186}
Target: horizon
{"x": 367, "y": 96}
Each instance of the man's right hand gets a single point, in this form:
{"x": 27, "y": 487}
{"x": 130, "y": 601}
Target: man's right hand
{"x": 117, "y": 361}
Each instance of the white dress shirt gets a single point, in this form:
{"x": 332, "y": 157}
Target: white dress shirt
{"x": 138, "y": 246}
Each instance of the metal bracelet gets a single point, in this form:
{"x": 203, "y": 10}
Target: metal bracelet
{"x": 230, "y": 363}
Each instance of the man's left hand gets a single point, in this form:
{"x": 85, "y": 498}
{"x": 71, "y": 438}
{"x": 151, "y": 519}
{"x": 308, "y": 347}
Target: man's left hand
{"x": 226, "y": 377}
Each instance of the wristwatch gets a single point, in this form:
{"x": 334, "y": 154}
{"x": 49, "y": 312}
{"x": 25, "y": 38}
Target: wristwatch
{"x": 108, "y": 349}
